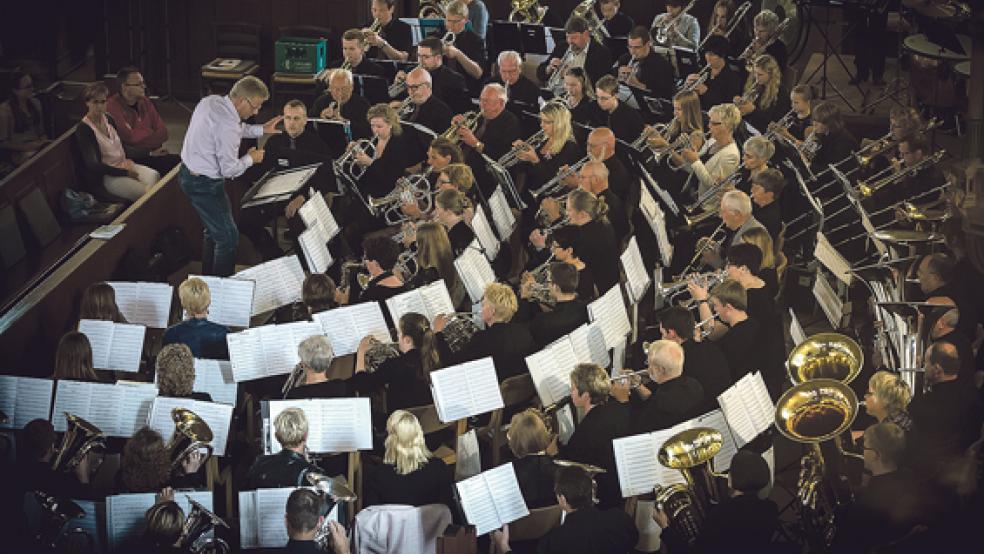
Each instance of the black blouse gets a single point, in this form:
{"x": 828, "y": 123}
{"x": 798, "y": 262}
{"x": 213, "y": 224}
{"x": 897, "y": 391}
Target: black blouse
{"x": 430, "y": 484}
{"x": 400, "y": 376}
{"x": 461, "y": 236}
{"x": 380, "y": 176}
{"x": 598, "y": 248}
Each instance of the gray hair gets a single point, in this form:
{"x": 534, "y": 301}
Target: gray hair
{"x": 950, "y": 318}
{"x": 291, "y": 427}
{"x": 344, "y": 73}
{"x": 249, "y": 87}
{"x": 729, "y": 114}
{"x": 766, "y": 19}
{"x": 316, "y": 353}
{"x": 509, "y": 55}
{"x": 737, "y": 201}
{"x": 667, "y": 356}
{"x": 760, "y": 147}
{"x": 499, "y": 90}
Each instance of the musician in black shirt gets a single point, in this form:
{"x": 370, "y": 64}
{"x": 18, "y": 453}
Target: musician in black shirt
{"x": 395, "y": 38}
{"x": 675, "y": 399}
{"x": 289, "y": 467}
{"x": 766, "y": 188}
{"x": 616, "y": 21}
{"x": 339, "y": 103}
{"x": 644, "y": 69}
{"x": 519, "y": 88}
{"x": 593, "y": 56}
{"x": 835, "y": 142}
{"x": 315, "y": 356}
{"x": 580, "y": 100}
{"x": 766, "y": 25}
{"x": 425, "y": 109}
{"x": 466, "y": 51}
{"x": 702, "y": 360}
{"x": 529, "y": 440}
{"x": 379, "y": 254}
{"x": 593, "y": 178}
{"x": 494, "y": 135}
{"x": 354, "y": 55}
{"x": 568, "y": 311}
{"x": 765, "y": 100}
{"x": 723, "y": 83}
{"x": 623, "y": 120}
{"x": 448, "y": 84}
{"x": 740, "y": 344}
{"x": 597, "y": 244}
{"x": 449, "y": 209}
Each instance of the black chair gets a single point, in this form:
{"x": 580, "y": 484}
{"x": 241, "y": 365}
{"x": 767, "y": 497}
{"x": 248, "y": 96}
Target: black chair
{"x": 233, "y": 40}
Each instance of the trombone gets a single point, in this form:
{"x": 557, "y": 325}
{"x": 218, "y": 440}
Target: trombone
{"x": 754, "y": 49}
{"x": 661, "y": 30}
{"x": 732, "y": 24}
{"x": 723, "y": 185}
{"x": 884, "y": 144}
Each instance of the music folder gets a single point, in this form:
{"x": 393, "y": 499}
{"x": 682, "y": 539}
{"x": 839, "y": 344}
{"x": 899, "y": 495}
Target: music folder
{"x": 24, "y": 399}
{"x": 126, "y": 515}
{"x": 609, "y": 310}
{"x": 278, "y": 186}
{"x": 334, "y": 424}
{"x": 217, "y": 416}
{"x": 492, "y": 498}
{"x": 467, "y": 389}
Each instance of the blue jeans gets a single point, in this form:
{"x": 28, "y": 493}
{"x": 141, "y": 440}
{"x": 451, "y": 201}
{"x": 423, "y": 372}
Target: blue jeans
{"x": 209, "y": 198}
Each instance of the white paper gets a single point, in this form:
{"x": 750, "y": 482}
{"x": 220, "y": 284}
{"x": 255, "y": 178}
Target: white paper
{"x": 24, "y": 399}
{"x": 268, "y": 350}
{"x": 215, "y": 378}
{"x": 827, "y": 255}
{"x": 126, "y": 513}
{"x": 115, "y": 346}
{"x": 657, "y": 222}
{"x": 589, "y": 345}
{"x": 609, "y": 310}
{"x": 232, "y": 300}
{"x": 551, "y": 370}
{"x": 468, "y": 461}
{"x": 795, "y": 329}
{"x": 315, "y": 251}
{"x": 483, "y": 232}
{"x": 502, "y": 215}
{"x": 635, "y": 271}
{"x": 271, "y": 505}
{"x": 217, "y": 416}
{"x": 248, "y": 528}
{"x": 637, "y": 461}
{"x": 334, "y": 424}
{"x": 284, "y": 183}
{"x": 475, "y": 271}
{"x": 467, "y": 389}
{"x": 316, "y": 215}
{"x": 117, "y": 410}
{"x": 430, "y": 301}
{"x": 565, "y": 424}
{"x": 346, "y": 326}
{"x": 748, "y": 408}
{"x": 831, "y": 304}
{"x": 142, "y": 303}
{"x": 278, "y": 283}
{"x": 492, "y": 499}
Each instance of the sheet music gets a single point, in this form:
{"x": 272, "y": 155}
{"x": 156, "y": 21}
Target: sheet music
{"x": 484, "y": 234}
{"x": 635, "y": 271}
{"x": 134, "y": 402}
{"x": 215, "y": 378}
{"x": 475, "y": 271}
{"x": 268, "y": 350}
{"x": 832, "y": 305}
{"x": 748, "y": 408}
{"x": 284, "y": 183}
{"x": 271, "y": 505}
{"x": 117, "y": 410}
{"x": 636, "y": 464}
{"x": 565, "y": 422}
{"x": 506, "y": 494}
{"x": 466, "y": 389}
{"x": 115, "y": 346}
{"x": 278, "y": 283}
{"x": 334, "y": 424}
{"x": 832, "y": 259}
{"x": 218, "y": 417}
{"x": 125, "y": 513}
{"x": 345, "y": 326}
{"x": 468, "y": 461}
{"x": 502, "y": 215}
{"x": 315, "y": 251}
{"x": 716, "y": 420}
{"x": 657, "y": 222}
{"x": 147, "y": 304}
{"x": 316, "y": 215}
{"x": 93, "y": 522}
{"x": 738, "y": 416}
{"x": 430, "y": 301}
{"x": 245, "y": 355}
{"x": 795, "y": 329}
{"x": 248, "y": 521}
{"x": 492, "y": 499}
{"x": 232, "y": 300}
{"x": 609, "y": 310}
{"x": 24, "y": 399}
{"x": 589, "y": 344}
{"x": 551, "y": 370}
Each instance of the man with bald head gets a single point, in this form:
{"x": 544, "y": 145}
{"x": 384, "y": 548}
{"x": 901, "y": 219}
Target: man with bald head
{"x": 675, "y": 398}
{"x": 593, "y": 178}
{"x": 340, "y": 103}
{"x": 942, "y": 325}
{"x": 935, "y": 273}
{"x": 601, "y": 147}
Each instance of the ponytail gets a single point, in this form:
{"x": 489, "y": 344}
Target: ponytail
{"x": 430, "y": 358}
{"x": 417, "y": 327}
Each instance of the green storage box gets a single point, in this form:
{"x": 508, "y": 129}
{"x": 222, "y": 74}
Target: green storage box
{"x": 301, "y": 55}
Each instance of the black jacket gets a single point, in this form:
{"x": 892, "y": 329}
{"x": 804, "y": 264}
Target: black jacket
{"x": 535, "y": 474}
{"x": 430, "y": 484}
{"x": 591, "y": 531}
{"x": 882, "y": 512}
{"x": 619, "y": 25}
{"x": 449, "y": 86}
{"x": 721, "y": 89}
{"x": 704, "y": 362}
{"x": 284, "y": 152}
{"x": 381, "y": 175}
{"x": 472, "y": 46}
{"x": 95, "y": 169}
{"x": 365, "y": 67}
{"x": 739, "y": 347}
{"x": 617, "y": 214}
{"x": 398, "y": 34}
{"x": 655, "y": 72}
{"x": 769, "y": 216}
{"x": 523, "y": 91}
{"x": 743, "y": 520}
{"x": 598, "y": 248}
{"x": 945, "y": 421}
{"x": 400, "y": 376}
{"x": 354, "y": 110}
{"x": 626, "y": 122}
{"x": 597, "y": 63}
{"x": 673, "y": 402}
{"x": 547, "y": 327}
{"x": 591, "y": 443}
{"x": 433, "y": 114}
{"x": 620, "y": 180}
{"x": 332, "y": 388}
{"x": 508, "y": 344}
{"x": 283, "y": 469}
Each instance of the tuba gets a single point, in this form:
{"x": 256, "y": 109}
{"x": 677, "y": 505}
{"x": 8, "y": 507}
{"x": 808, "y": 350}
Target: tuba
{"x": 692, "y": 453}
{"x": 527, "y": 11}
{"x": 53, "y": 532}
{"x": 825, "y": 356}
{"x": 191, "y": 433}
{"x": 194, "y": 534}
{"x": 81, "y": 437}
{"x": 433, "y": 9}
{"x": 586, "y": 9}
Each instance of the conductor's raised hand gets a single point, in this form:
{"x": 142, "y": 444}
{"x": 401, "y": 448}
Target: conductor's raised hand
{"x": 270, "y": 127}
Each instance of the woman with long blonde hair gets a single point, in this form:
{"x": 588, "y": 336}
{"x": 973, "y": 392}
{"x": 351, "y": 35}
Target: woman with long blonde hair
{"x": 765, "y": 100}
{"x": 410, "y": 474}
{"x": 544, "y": 162}
{"x": 687, "y": 118}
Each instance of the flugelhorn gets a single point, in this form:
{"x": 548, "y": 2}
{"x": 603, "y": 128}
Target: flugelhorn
{"x": 347, "y": 166}
{"x": 704, "y": 244}
{"x": 535, "y": 282}
{"x": 194, "y": 533}
{"x": 80, "y": 438}
{"x": 191, "y": 434}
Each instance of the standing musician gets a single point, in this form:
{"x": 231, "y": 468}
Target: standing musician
{"x": 766, "y": 23}
{"x": 391, "y": 152}
{"x": 769, "y": 101}
{"x": 448, "y": 84}
{"x": 644, "y": 69}
{"x": 767, "y": 185}
{"x": 568, "y": 312}
{"x": 702, "y": 360}
{"x": 617, "y": 22}
{"x": 721, "y": 151}
{"x": 339, "y": 103}
{"x": 717, "y": 25}
{"x": 466, "y": 53}
{"x": 580, "y": 97}
{"x": 496, "y": 131}
{"x": 450, "y": 208}
{"x": 354, "y": 54}
{"x": 835, "y": 142}
{"x": 395, "y": 38}
{"x": 588, "y": 53}
{"x": 593, "y": 178}
{"x": 519, "y": 88}
{"x": 626, "y": 122}
{"x": 723, "y": 83}
{"x": 682, "y": 29}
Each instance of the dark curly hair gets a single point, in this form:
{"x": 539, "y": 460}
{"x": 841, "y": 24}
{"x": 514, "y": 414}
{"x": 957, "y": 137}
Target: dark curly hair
{"x": 146, "y": 465}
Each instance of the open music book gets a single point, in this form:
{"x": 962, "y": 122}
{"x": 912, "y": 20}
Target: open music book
{"x": 215, "y": 378}
{"x": 483, "y": 232}
{"x": 334, "y": 424}
{"x": 430, "y": 301}
{"x": 748, "y": 408}
{"x": 126, "y": 515}
{"x": 93, "y": 522}
{"x": 551, "y": 370}
{"x": 832, "y": 305}
{"x": 24, "y": 399}
{"x": 261, "y": 517}
{"x": 657, "y": 222}
{"x": 589, "y": 344}
{"x": 147, "y": 304}
{"x": 502, "y": 215}
{"x": 267, "y": 350}
{"x": 116, "y": 346}
{"x": 465, "y": 390}
{"x": 827, "y": 255}
{"x": 232, "y": 300}
{"x": 795, "y": 329}
{"x": 609, "y": 310}
{"x": 315, "y": 251}
{"x": 636, "y": 277}
{"x": 492, "y": 498}
{"x": 475, "y": 271}
{"x": 317, "y": 217}
{"x": 217, "y": 416}
{"x": 345, "y": 326}
{"x": 278, "y": 283}
{"x": 118, "y": 410}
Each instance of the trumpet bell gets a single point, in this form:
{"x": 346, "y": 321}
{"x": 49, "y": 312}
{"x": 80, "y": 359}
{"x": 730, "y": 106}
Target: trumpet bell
{"x": 690, "y": 448}
{"x": 825, "y": 356}
{"x": 816, "y": 411}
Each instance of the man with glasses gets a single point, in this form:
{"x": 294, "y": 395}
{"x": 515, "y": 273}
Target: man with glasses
{"x": 521, "y": 90}
{"x": 594, "y": 179}
{"x": 427, "y": 109}
{"x": 341, "y": 104}
{"x": 138, "y": 123}
{"x": 447, "y": 84}
{"x": 210, "y": 156}
{"x": 643, "y": 69}
{"x": 624, "y": 121}
{"x": 466, "y": 53}
{"x": 496, "y": 131}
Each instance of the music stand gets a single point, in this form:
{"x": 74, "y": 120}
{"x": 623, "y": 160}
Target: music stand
{"x": 830, "y": 50}
{"x": 296, "y": 178}
{"x": 687, "y": 61}
{"x": 533, "y": 38}
{"x": 504, "y": 35}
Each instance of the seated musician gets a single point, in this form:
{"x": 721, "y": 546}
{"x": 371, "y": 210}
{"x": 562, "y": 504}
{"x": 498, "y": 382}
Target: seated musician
{"x": 887, "y": 399}
{"x": 935, "y": 273}
{"x": 73, "y": 359}
{"x": 21, "y": 122}
{"x": 559, "y": 149}
{"x": 755, "y": 156}
{"x": 564, "y": 247}
{"x": 626, "y": 122}
{"x": 340, "y": 104}
{"x": 943, "y": 328}
{"x": 146, "y": 465}
{"x": 288, "y": 467}
{"x": 767, "y": 185}
{"x": 405, "y": 378}
{"x": 434, "y": 261}
{"x": 914, "y": 151}
{"x": 568, "y": 312}
{"x": 459, "y": 177}
{"x": 141, "y": 128}
{"x": 644, "y": 69}
{"x": 723, "y": 83}
{"x": 507, "y": 341}
{"x": 354, "y": 55}
{"x": 702, "y": 360}
{"x": 717, "y": 24}
{"x": 103, "y": 155}
{"x": 450, "y": 208}
{"x": 395, "y": 38}
{"x": 518, "y": 86}
{"x": 580, "y": 98}
{"x": 391, "y": 155}
{"x": 588, "y": 53}
{"x": 735, "y": 210}
{"x": 769, "y": 270}
{"x": 315, "y": 356}
{"x": 765, "y": 100}
{"x": 801, "y": 99}
{"x": 721, "y": 151}
{"x": 165, "y": 522}
{"x": 601, "y": 147}
{"x": 743, "y": 519}
{"x": 766, "y": 24}
{"x": 427, "y": 109}
{"x": 604, "y": 420}
{"x": 681, "y": 29}
{"x": 835, "y": 143}
{"x": 305, "y": 514}
{"x": 36, "y": 450}
{"x": 410, "y": 473}
{"x": 317, "y": 294}
{"x": 206, "y": 339}
{"x": 593, "y": 178}
{"x": 617, "y": 22}
{"x": 596, "y": 243}
{"x": 380, "y": 255}
{"x": 675, "y": 398}
{"x": 175, "y": 369}
{"x": 687, "y": 120}
{"x": 585, "y": 528}
{"x": 295, "y": 147}
{"x": 531, "y": 445}
{"x": 99, "y": 302}
{"x": 494, "y": 135}
{"x": 448, "y": 84}
{"x": 466, "y": 52}
{"x": 729, "y": 302}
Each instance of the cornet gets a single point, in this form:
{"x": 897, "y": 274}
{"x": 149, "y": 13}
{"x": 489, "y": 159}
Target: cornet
{"x": 632, "y": 379}
{"x": 406, "y": 108}
{"x": 399, "y": 85}
{"x": 469, "y": 120}
{"x": 407, "y": 190}
{"x": 556, "y": 184}
{"x": 705, "y": 244}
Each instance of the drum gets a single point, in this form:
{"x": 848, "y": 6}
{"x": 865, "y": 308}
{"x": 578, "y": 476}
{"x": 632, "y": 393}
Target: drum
{"x": 921, "y": 45}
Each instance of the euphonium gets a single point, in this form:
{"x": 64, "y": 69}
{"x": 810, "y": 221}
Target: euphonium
{"x": 433, "y": 9}
{"x": 407, "y": 190}
{"x": 196, "y": 527}
{"x": 469, "y": 120}
{"x": 511, "y": 157}
{"x": 661, "y": 30}
{"x": 191, "y": 434}
{"x": 346, "y": 277}
{"x": 527, "y": 11}
{"x": 459, "y": 330}
{"x": 379, "y": 352}
{"x": 80, "y": 438}
{"x": 556, "y": 81}
{"x": 586, "y": 9}
{"x": 692, "y": 453}
{"x": 332, "y": 490}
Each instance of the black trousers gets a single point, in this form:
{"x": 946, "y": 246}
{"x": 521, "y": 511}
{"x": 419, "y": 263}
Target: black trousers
{"x": 871, "y": 42}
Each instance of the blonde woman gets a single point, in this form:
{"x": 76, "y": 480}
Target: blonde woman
{"x": 409, "y": 474}
{"x": 559, "y": 149}
{"x": 533, "y": 448}
{"x": 204, "y": 338}
{"x": 887, "y": 399}
{"x": 687, "y": 118}
{"x": 289, "y": 466}
{"x": 390, "y": 157}
{"x": 769, "y": 267}
{"x": 721, "y": 153}
{"x": 764, "y": 100}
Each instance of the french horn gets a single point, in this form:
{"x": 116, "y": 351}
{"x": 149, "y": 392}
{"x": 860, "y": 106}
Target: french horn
{"x": 80, "y": 438}
{"x": 191, "y": 434}
{"x": 332, "y": 490}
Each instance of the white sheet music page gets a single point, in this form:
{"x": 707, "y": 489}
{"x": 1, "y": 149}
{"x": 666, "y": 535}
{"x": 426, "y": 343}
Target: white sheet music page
{"x": 147, "y": 304}
{"x": 315, "y": 251}
{"x": 468, "y": 461}
{"x": 609, "y": 310}
{"x": 215, "y": 378}
{"x": 832, "y": 259}
{"x": 565, "y": 422}
{"x": 280, "y": 342}
{"x": 437, "y": 299}
{"x": 475, "y": 271}
{"x": 483, "y": 232}
{"x": 316, "y": 215}
{"x": 24, "y": 399}
{"x": 125, "y": 517}
{"x": 248, "y": 528}
{"x": 657, "y": 222}
{"x": 246, "y": 355}
{"x": 346, "y": 325}
{"x": 476, "y": 502}
{"x": 483, "y": 385}
{"x": 135, "y": 400}
{"x": 278, "y": 283}
{"x": 408, "y": 302}
{"x": 117, "y": 410}
{"x": 506, "y": 495}
{"x": 716, "y": 420}
{"x": 466, "y": 389}
{"x": 635, "y": 271}
{"x": 832, "y": 305}
{"x": 127, "y": 347}
{"x": 271, "y": 505}
{"x": 635, "y": 461}
{"x": 589, "y": 344}
{"x": 551, "y": 370}
{"x": 764, "y": 409}
{"x": 502, "y": 215}
{"x": 93, "y": 522}
{"x": 738, "y": 416}
{"x": 218, "y": 417}
{"x": 232, "y": 300}
{"x": 100, "y": 335}
{"x": 795, "y": 329}
{"x": 71, "y": 397}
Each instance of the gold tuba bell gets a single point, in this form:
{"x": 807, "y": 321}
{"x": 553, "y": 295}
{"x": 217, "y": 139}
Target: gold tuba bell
{"x": 825, "y": 356}
{"x": 191, "y": 433}
{"x": 692, "y": 453}
{"x": 81, "y": 437}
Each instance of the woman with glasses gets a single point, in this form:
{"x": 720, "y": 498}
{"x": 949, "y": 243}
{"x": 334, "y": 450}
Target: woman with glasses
{"x": 721, "y": 152}
{"x": 543, "y": 163}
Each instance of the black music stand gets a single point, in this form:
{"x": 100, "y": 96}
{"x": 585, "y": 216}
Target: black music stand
{"x": 504, "y": 35}
{"x": 533, "y": 38}
{"x": 830, "y": 50}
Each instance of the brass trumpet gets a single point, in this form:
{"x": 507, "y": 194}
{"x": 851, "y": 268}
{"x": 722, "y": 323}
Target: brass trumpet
{"x": 511, "y": 157}
{"x": 705, "y": 244}
{"x": 632, "y": 379}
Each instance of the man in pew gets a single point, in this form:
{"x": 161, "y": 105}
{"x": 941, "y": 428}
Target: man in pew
{"x": 340, "y": 103}
{"x": 138, "y": 123}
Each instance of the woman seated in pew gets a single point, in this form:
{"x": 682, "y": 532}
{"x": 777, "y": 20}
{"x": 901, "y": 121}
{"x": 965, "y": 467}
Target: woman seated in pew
{"x": 102, "y": 150}
{"x": 176, "y": 373}
{"x": 21, "y": 122}
{"x": 99, "y": 302}
{"x": 290, "y": 465}
{"x": 204, "y": 338}
{"x": 409, "y": 474}
{"x": 534, "y": 449}
{"x": 73, "y": 360}
{"x": 764, "y": 100}
{"x": 315, "y": 356}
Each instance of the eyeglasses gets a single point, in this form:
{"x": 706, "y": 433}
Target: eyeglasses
{"x": 255, "y": 108}
{"x": 140, "y": 84}
{"x": 454, "y": 21}
{"x": 417, "y": 86}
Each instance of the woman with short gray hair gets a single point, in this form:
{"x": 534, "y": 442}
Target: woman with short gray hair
{"x": 315, "y": 356}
